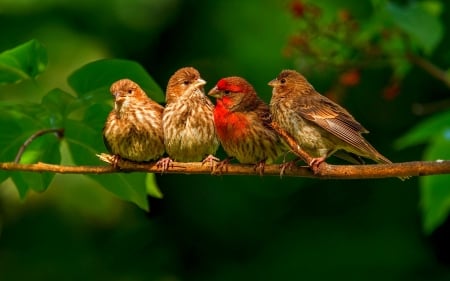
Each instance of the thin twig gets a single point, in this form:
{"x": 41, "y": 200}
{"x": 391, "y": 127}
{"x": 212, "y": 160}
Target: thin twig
{"x": 59, "y": 132}
{"x": 432, "y": 69}
{"x": 289, "y": 140}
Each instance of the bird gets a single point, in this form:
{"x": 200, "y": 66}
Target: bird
{"x": 242, "y": 122}
{"x": 189, "y": 133}
{"x": 133, "y": 129}
{"x": 319, "y": 126}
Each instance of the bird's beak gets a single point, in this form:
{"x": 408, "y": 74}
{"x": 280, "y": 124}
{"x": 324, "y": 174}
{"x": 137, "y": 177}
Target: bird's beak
{"x": 214, "y": 92}
{"x": 118, "y": 97}
{"x": 273, "y": 83}
{"x": 199, "y": 82}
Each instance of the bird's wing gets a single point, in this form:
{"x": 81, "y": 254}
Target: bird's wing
{"x": 105, "y": 141}
{"x": 334, "y": 119}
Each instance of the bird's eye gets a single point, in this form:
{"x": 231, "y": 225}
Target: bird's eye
{"x": 130, "y": 91}
{"x": 282, "y": 81}
{"x": 226, "y": 92}
{"x": 186, "y": 82}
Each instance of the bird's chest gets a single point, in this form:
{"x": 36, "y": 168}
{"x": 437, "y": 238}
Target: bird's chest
{"x": 309, "y": 136}
{"x": 230, "y": 126}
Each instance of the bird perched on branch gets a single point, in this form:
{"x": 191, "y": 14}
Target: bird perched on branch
{"x": 319, "y": 126}
{"x": 242, "y": 123}
{"x": 189, "y": 133}
{"x": 133, "y": 129}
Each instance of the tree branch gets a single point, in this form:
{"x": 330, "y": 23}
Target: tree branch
{"x": 59, "y": 133}
{"x": 432, "y": 69}
{"x": 289, "y": 140}
{"x": 326, "y": 171}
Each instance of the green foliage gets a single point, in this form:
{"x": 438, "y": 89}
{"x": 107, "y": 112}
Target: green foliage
{"x": 22, "y": 62}
{"x": 348, "y": 39}
{"x": 419, "y": 20}
{"x": 229, "y": 227}
{"x": 95, "y": 78}
{"x": 81, "y": 115}
{"x": 435, "y": 133}
{"x": 425, "y": 131}
{"x": 435, "y": 191}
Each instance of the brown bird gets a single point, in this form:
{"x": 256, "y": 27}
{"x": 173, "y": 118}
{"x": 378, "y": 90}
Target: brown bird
{"x": 319, "y": 126}
{"x": 242, "y": 123}
{"x": 133, "y": 129}
{"x": 189, "y": 133}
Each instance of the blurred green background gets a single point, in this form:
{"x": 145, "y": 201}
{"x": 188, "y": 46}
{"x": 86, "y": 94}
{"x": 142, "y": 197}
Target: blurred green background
{"x": 227, "y": 227}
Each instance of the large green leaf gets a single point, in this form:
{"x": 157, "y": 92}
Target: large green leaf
{"x": 42, "y": 149}
{"x": 22, "y": 62}
{"x": 45, "y": 149}
{"x": 128, "y": 186}
{"x": 19, "y": 123}
{"x": 435, "y": 190}
{"x": 424, "y": 131}
{"x": 59, "y": 105}
{"x": 84, "y": 140}
{"x": 97, "y": 77}
{"x": 420, "y": 22}
{"x": 152, "y": 187}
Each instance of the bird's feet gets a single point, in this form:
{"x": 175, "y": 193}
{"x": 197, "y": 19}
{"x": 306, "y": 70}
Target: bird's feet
{"x": 164, "y": 163}
{"x": 259, "y": 167}
{"x": 287, "y": 166}
{"x": 115, "y": 161}
{"x": 212, "y": 160}
{"x": 220, "y": 166}
{"x": 315, "y": 164}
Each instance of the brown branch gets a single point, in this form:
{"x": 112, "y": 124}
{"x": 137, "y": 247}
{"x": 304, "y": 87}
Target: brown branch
{"x": 432, "y": 69}
{"x": 326, "y": 171}
{"x": 59, "y": 132}
{"x": 289, "y": 140}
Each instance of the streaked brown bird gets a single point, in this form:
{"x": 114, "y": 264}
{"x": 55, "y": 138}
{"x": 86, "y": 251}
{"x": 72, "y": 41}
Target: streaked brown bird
{"x": 133, "y": 129}
{"x": 189, "y": 133}
{"x": 242, "y": 123}
{"x": 319, "y": 126}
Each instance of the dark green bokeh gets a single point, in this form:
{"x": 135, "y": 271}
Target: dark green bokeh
{"x": 205, "y": 227}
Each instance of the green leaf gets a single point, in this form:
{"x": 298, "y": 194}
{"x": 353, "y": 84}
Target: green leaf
{"x": 45, "y": 148}
{"x": 424, "y": 131}
{"x": 435, "y": 190}
{"x": 20, "y": 122}
{"x": 9, "y": 142}
{"x": 84, "y": 141}
{"x": 97, "y": 77}
{"x": 59, "y": 104}
{"x": 419, "y": 22}
{"x": 25, "y": 61}
{"x": 152, "y": 187}
{"x": 127, "y": 186}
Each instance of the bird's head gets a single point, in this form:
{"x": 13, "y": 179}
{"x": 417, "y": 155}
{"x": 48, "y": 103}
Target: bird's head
{"x": 233, "y": 92}
{"x": 125, "y": 91}
{"x": 184, "y": 81}
{"x": 288, "y": 81}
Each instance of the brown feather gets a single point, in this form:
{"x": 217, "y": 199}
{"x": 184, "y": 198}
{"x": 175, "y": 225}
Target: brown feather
{"x": 295, "y": 98}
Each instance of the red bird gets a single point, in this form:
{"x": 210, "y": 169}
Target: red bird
{"x": 242, "y": 122}
{"x": 133, "y": 129}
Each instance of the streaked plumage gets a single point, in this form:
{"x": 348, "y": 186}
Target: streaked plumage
{"x": 320, "y": 126}
{"x": 242, "y": 122}
{"x": 189, "y": 133}
{"x": 133, "y": 129}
